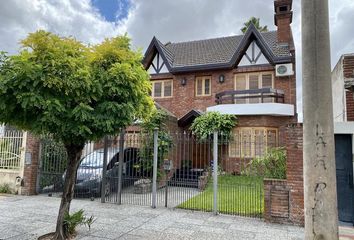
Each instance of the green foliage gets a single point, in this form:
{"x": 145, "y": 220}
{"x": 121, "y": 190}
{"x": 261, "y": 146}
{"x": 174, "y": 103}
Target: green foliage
{"x": 75, "y": 92}
{"x": 156, "y": 120}
{"x": 256, "y": 22}
{"x": 5, "y": 188}
{"x": 71, "y": 221}
{"x": 271, "y": 165}
{"x": 204, "y": 125}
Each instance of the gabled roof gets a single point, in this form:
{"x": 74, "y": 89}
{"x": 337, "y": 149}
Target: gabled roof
{"x": 189, "y": 117}
{"x": 216, "y": 53}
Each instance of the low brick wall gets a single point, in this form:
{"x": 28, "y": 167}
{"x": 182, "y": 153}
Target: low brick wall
{"x": 276, "y": 201}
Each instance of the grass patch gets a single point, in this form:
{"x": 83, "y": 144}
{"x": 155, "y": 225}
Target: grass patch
{"x": 240, "y": 195}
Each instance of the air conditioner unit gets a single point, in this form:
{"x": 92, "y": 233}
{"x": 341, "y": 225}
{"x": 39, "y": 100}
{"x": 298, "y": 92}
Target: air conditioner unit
{"x": 282, "y": 70}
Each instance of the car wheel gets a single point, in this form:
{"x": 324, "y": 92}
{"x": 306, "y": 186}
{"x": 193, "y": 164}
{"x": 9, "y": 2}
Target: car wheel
{"x": 107, "y": 190}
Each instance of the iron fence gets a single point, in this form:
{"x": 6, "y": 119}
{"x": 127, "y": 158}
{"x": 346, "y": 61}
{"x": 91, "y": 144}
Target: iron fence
{"x": 176, "y": 170}
{"x": 12, "y": 146}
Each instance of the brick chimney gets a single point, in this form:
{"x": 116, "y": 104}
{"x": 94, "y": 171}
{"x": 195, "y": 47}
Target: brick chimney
{"x": 283, "y": 17}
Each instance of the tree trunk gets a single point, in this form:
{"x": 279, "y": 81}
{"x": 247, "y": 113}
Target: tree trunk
{"x": 74, "y": 155}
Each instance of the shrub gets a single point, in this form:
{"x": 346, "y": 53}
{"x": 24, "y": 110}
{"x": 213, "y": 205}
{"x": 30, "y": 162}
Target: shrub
{"x": 158, "y": 120}
{"x": 204, "y": 125}
{"x": 271, "y": 165}
{"x": 5, "y": 188}
{"x": 71, "y": 221}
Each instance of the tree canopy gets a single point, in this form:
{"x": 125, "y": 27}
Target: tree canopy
{"x": 256, "y": 22}
{"x": 59, "y": 86}
{"x": 75, "y": 92}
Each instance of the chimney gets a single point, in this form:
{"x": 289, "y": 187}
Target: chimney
{"x": 283, "y": 17}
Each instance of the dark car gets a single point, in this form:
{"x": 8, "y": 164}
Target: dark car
{"x": 89, "y": 172}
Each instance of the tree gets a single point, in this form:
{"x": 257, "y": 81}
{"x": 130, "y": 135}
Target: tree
{"x": 77, "y": 93}
{"x": 255, "y": 22}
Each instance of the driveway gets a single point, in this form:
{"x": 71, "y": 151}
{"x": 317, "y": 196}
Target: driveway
{"x": 29, "y": 217}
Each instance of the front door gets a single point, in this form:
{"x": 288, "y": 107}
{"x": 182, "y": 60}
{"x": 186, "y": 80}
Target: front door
{"x": 344, "y": 170}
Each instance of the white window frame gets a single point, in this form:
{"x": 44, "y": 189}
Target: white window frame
{"x": 162, "y": 88}
{"x": 237, "y": 143}
{"x": 203, "y": 86}
{"x": 247, "y": 76}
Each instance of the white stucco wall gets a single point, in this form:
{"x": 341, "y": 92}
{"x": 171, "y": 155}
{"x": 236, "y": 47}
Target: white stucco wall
{"x": 338, "y": 93}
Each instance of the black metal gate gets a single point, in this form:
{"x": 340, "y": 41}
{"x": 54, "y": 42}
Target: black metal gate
{"x": 344, "y": 169}
{"x": 184, "y": 175}
{"x": 52, "y": 166}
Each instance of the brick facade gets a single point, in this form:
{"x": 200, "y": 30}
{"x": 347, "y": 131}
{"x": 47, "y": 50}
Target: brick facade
{"x": 31, "y": 170}
{"x": 348, "y": 66}
{"x": 350, "y": 105}
{"x": 348, "y": 73}
{"x": 184, "y": 98}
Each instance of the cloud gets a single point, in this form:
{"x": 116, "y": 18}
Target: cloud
{"x": 64, "y": 17}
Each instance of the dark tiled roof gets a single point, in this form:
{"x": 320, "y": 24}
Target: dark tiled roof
{"x": 217, "y": 53}
{"x": 214, "y": 51}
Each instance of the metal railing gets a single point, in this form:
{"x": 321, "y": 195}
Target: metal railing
{"x": 12, "y": 146}
{"x": 263, "y": 95}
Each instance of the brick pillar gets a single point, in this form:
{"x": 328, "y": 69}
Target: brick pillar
{"x": 276, "y": 201}
{"x": 294, "y": 148}
{"x": 31, "y": 169}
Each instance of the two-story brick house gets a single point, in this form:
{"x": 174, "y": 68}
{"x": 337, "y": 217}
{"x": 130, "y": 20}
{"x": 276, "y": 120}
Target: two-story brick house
{"x": 250, "y": 75}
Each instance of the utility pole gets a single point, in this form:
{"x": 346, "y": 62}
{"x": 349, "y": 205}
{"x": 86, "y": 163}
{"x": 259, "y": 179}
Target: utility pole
{"x": 321, "y": 217}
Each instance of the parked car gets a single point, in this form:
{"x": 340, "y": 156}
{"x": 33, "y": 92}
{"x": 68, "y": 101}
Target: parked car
{"x": 89, "y": 173}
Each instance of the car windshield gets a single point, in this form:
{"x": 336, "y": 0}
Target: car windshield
{"x": 95, "y": 159}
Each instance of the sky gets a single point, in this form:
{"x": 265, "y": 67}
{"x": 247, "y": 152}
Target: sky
{"x": 91, "y": 21}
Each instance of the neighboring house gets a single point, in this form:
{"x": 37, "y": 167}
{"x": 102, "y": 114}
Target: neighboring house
{"x": 343, "y": 114}
{"x": 251, "y": 76}
{"x": 343, "y": 88}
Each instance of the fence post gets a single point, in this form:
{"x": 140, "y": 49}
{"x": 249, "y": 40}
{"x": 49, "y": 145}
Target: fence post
{"x": 104, "y": 170}
{"x": 154, "y": 176}
{"x": 215, "y": 172}
{"x": 120, "y": 166}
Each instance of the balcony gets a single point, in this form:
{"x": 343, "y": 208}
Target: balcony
{"x": 263, "y": 95}
{"x": 264, "y": 101}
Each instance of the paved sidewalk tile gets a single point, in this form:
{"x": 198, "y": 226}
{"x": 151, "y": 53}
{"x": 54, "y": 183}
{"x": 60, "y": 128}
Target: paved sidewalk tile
{"x": 27, "y": 218}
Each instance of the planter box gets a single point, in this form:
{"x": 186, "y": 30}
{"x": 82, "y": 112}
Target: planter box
{"x": 142, "y": 186}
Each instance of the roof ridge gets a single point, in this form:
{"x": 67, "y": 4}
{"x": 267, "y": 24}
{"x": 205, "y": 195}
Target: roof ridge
{"x": 216, "y": 38}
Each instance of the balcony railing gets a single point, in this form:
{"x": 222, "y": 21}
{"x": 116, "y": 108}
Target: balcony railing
{"x": 263, "y": 95}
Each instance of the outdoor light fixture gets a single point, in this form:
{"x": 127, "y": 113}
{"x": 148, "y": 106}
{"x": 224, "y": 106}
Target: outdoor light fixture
{"x": 184, "y": 81}
{"x": 221, "y": 78}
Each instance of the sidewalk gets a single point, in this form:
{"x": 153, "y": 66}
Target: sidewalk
{"x": 29, "y": 217}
